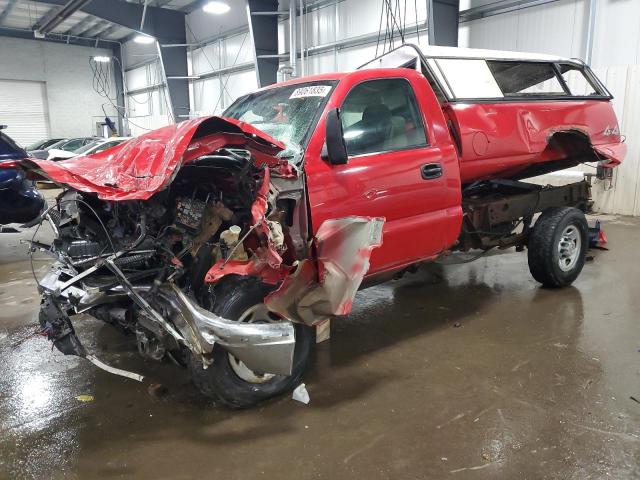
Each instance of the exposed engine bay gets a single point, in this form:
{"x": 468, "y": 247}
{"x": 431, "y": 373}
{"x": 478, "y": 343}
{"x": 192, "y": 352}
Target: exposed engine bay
{"x": 166, "y": 268}
{"x": 203, "y": 219}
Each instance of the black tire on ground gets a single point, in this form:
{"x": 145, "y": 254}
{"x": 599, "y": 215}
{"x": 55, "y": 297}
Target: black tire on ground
{"x": 546, "y": 262}
{"x": 219, "y": 381}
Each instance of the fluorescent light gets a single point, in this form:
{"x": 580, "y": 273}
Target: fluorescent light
{"x": 145, "y": 39}
{"x": 216, "y": 7}
{"x": 101, "y": 59}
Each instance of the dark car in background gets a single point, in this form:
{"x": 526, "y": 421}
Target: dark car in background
{"x": 20, "y": 201}
{"x": 42, "y": 144}
{"x": 68, "y": 144}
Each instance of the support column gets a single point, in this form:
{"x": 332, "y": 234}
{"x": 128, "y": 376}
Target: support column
{"x": 264, "y": 39}
{"x": 442, "y": 17}
{"x": 118, "y": 73}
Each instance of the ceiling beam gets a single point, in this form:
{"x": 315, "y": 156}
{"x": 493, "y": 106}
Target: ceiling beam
{"x": 162, "y": 23}
{"x": 499, "y": 7}
{"x": 7, "y": 10}
{"x": 97, "y": 25}
{"x": 44, "y": 18}
{"x": 55, "y": 18}
{"x": 108, "y": 29}
{"x": 193, "y": 6}
{"x": 54, "y": 38}
{"x": 80, "y": 26}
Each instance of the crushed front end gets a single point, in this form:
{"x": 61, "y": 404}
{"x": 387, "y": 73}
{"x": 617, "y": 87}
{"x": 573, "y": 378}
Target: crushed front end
{"x": 176, "y": 245}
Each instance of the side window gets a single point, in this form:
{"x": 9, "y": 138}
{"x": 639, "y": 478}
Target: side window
{"x": 107, "y": 145}
{"x": 576, "y": 81}
{"x": 73, "y": 145}
{"x": 381, "y": 115}
{"x": 525, "y": 78}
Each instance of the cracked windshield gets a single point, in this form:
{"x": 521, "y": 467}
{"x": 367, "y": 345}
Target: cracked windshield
{"x": 286, "y": 113}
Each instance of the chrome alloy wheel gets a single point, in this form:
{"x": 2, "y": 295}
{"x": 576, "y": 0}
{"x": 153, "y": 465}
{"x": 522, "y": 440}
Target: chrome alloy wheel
{"x": 569, "y": 248}
{"x": 257, "y": 314}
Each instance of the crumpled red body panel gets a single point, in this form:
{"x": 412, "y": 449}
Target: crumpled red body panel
{"x": 137, "y": 169}
{"x": 613, "y": 152}
{"x": 326, "y": 286}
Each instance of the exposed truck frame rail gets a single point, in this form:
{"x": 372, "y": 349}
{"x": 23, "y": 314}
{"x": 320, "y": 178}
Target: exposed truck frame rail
{"x": 494, "y": 210}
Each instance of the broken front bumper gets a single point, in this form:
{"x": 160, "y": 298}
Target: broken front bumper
{"x": 266, "y": 348}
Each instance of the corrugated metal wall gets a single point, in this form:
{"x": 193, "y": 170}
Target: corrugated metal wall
{"x": 147, "y": 103}
{"x": 325, "y": 28}
{"x": 560, "y": 28}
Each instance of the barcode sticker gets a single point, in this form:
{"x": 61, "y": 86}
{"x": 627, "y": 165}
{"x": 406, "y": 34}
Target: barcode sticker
{"x": 315, "y": 91}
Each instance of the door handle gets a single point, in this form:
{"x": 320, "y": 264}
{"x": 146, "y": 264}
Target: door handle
{"x": 431, "y": 171}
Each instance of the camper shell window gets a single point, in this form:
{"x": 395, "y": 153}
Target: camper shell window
{"x": 486, "y": 79}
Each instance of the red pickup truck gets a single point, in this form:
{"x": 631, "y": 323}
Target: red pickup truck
{"x": 222, "y": 242}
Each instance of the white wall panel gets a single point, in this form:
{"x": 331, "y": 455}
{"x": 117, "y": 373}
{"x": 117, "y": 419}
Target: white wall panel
{"x": 321, "y": 26}
{"x": 206, "y": 96}
{"x": 237, "y": 50}
{"x": 137, "y": 78}
{"x": 322, "y": 63}
{"x": 205, "y": 59}
{"x": 142, "y": 125}
{"x": 359, "y": 17}
{"x": 555, "y": 28}
{"x": 72, "y": 103}
{"x": 237, "y": 85}
{"x": 23, "y": 108}
{"x": 617, "y": 33}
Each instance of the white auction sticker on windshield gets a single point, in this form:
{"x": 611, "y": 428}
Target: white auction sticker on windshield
{"x": 315, "y": 91}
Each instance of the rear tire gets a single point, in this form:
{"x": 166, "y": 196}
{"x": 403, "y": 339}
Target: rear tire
{"x": 558, "y": 246}
{"x": 227, "y": 381}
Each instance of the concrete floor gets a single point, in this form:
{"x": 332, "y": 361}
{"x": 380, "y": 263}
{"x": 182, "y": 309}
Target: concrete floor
{"x": 469, "y": 371}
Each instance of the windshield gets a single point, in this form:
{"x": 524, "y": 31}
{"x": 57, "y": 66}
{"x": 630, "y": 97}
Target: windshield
{"x": 88, "y": 146}
{"x": 286, "y": 113}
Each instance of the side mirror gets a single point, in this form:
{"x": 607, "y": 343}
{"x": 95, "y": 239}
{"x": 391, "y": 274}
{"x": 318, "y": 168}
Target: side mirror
{"x": 335, "y": 149}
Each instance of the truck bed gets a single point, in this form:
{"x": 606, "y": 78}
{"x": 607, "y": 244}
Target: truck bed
{"x": 516, "y": 139}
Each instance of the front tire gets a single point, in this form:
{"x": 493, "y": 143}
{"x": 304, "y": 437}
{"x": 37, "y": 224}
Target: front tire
{"x": 227, "y": 380}
{"x": 558, "y": 246}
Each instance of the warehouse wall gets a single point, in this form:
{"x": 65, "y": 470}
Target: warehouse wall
{"x": 73, "y": 106}
{"x": 216, "y": 91}
{"x": 147, "y": 100}
{"x": 325, "y": 26}
{"x": 357, "y": 20}
{"x": 560, "y": 28}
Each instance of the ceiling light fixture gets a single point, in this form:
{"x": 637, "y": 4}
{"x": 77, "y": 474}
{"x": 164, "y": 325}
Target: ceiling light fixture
{"x": 144, "y": 39}
{"x": 101, "y": 59}
{"x": 216, "y": 7}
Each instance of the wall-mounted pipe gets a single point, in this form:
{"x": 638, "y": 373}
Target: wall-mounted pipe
{"x": 293, "y": 49}
{"x": 303, "y": 40}
{"x": 590, "y": 32}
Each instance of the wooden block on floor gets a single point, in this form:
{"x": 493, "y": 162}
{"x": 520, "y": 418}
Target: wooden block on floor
{"x": 323, "y": 331}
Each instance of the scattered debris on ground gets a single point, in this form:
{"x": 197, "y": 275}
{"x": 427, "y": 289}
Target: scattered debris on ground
{"x": 300, "y": 394}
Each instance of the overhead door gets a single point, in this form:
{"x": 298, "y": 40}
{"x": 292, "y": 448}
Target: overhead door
{"x": 23, "y": 108}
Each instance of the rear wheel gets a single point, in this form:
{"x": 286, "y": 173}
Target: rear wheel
{"x": 228, "y": 380}
{"x": 558, "y": 246}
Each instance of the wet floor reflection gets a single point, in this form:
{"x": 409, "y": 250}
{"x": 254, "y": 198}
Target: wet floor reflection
{"x": 470, "y": 371}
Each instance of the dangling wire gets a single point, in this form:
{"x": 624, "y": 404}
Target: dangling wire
{"x": 395, "y": 19}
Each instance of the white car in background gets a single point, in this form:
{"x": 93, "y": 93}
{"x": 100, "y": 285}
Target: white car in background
{"x": 96, "y": 146}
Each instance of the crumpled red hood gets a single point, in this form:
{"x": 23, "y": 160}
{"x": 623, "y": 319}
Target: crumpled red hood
{"x": 140, "y": 167}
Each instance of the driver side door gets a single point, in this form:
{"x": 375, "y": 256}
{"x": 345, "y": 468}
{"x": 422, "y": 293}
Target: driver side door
{"x": 398, "y": 168}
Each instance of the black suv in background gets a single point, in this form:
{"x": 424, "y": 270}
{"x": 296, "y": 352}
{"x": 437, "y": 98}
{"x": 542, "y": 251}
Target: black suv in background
{"x": 20, "y": 201}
